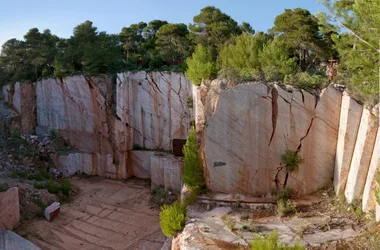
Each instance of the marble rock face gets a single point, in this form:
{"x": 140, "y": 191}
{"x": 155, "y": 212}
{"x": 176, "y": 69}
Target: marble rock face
{"x": 104, "y": 119}
{"x": 166, "y": 170}
{"x": 361, "y": 158}
{"x": 249, "y": 127}
{"x": 350, "y": 114}
{"x": 154, "y": 106}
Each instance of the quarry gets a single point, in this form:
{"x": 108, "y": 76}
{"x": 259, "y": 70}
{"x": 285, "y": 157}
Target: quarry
{"x": 112, "y": 137}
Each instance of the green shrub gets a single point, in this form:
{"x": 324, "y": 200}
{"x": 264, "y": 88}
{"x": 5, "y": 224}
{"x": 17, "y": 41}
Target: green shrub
{"x": 53, "y": 187}
{"x": 66, "y": 187}
{"x": 155, "y": 63}
{"x": 172, "y": 218}
{"x": 193, "y": 169}
{"x": 161, "y": 196}
{"x": 40, "y": 185}
{"x": 3, "y": 186}
{"x": 284, "y": 193}
{"x": 270, "y": 242}
{"x": 291, "y": 159}
{"x": 41, "y": 205}
{"x": 18, "y": 174}
{"x": 42, "y": 174}
{"x": 200, "y": 65}
{"x": 189, "y": 102}
{"x": 304, "y": 80}
{"x": 285, "y": 207}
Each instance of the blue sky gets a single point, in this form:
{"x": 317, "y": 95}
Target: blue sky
{"x": 18, "y": 16}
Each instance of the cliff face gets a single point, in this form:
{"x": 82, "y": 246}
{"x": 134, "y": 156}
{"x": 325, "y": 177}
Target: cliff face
{"x": 244, "y": 130}
{"x": 115, "y": 123}
{"x": 104, "y": 118}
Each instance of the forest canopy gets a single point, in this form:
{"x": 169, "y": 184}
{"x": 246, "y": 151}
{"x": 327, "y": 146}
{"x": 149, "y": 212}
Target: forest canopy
{"x": 297, "y": 50}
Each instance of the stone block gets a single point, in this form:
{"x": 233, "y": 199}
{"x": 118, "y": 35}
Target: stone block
{"x": 141, "y": 163}
{"x": 52, "y": 211}
{"x": 362, "y": 156}
{"x": 350, "y": 114}
{"x": 10, "y": 208}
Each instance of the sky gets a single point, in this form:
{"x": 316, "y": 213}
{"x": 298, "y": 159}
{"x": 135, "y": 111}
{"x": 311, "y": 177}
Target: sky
{"x": 61, "y": 16}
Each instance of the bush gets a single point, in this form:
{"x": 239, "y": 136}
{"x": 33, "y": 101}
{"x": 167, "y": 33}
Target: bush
{"x": 291, "y": 159}
{"x": 284, "y": 193}
{"x": 200, "y": 65}
{"x": 53, "y": 187}
{"x": 155, "y": 63}
{"x": 189, "y": 103}
{"x": 41, "y": 205}
{"x": 66, "y": 187}
{"x": 172, "y": 218}
{"x": 193, "y": 169}
{"x": 42, "y": 174}
{"x": 160, "y": 196}
{"x": 3, "y": 186}
{"x": 270, "y": 242}
{"x": 40, "y": 185}
{"x": 304, "y": 80}
{"x": 285, "y": 207}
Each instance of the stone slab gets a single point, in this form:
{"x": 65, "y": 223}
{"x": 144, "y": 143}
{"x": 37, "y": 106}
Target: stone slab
{"x": 10, "y": 208}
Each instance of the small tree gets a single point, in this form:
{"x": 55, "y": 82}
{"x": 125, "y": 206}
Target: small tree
{"x": 193, "y": 169}
{"x": 200, "y": 65}
{"x": 172, "y": 218}
{"x": 291, "y": 160}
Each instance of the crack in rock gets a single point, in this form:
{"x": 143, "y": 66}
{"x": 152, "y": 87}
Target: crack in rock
{"x": 274, "y": 112}
{"x": 307, "y": 133}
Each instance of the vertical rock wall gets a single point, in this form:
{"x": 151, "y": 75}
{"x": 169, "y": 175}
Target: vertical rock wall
{"x": 103, "y": 118}
{"x": 244, "y": 130}
{"x": 20, "y": 100}
{"x": 250, "y": 126}
{"x": 154, "y": 107}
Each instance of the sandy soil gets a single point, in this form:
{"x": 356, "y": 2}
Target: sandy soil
{"x": 105, "y": 214}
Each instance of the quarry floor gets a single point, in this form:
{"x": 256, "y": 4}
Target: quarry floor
{"x": 105, "y": 214}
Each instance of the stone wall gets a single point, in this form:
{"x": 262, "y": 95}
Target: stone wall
{"x": 104, "y": 118}
{"x": 358, "y": 154}
{"x": 244, "y": 130}
{"x": 248, "y": 127}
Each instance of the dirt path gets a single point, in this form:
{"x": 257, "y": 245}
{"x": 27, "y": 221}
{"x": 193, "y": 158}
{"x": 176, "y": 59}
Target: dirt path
{"x": 106, "y": 214}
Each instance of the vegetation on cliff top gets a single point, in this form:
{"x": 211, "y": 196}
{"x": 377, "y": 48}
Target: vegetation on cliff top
{"x": 296, "y": 50}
